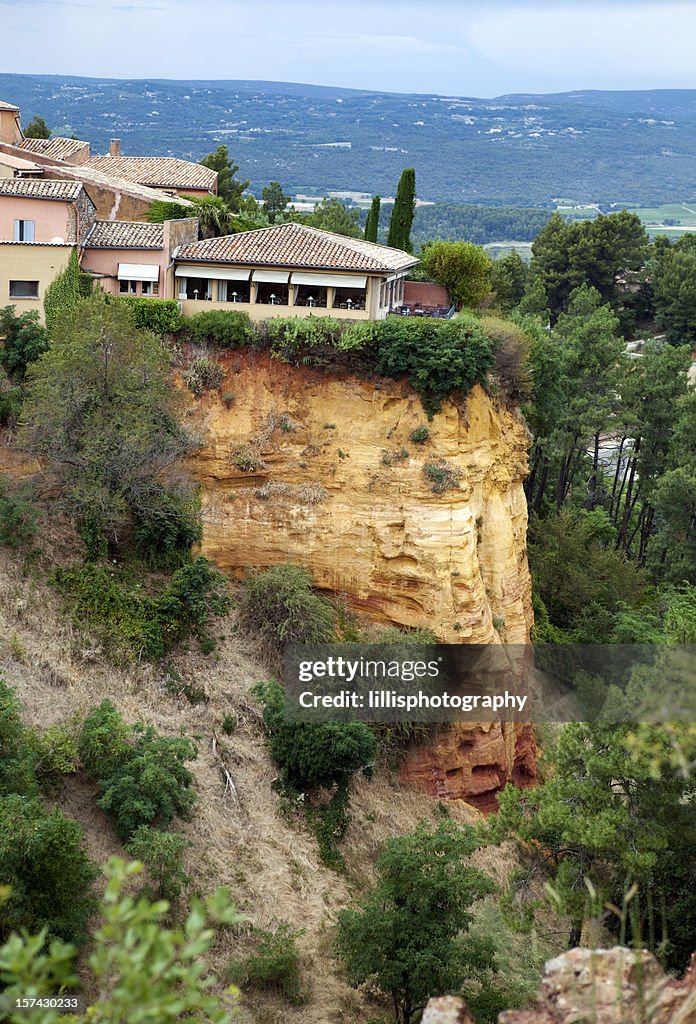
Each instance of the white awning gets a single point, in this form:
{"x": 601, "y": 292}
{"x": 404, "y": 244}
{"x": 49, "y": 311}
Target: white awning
{"x": 137, "y": 272}
{"x": 212, "y": 273}
{"x": 271, "y": 276}
{"x": 330, "y": 280}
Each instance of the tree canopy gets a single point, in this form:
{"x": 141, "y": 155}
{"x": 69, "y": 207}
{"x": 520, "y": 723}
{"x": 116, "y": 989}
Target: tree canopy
{"x": 333, "y": 215}
{"x": 229, "y": 187}
{"x": 37, "y": 129}
{"x": 274, "y": 200}
{"x": 102, "y": 414}
{"x": 409, "y": 938}
{"x": 464, "y": 269}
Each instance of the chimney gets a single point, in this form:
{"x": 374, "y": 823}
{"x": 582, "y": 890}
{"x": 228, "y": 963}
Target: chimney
{"x": 115, "y": 147}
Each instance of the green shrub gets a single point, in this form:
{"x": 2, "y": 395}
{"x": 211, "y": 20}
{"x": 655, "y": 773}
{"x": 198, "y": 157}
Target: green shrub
{"x": 223, "y": 327}
{"x": 313, "y": 754}
{"x": 10, "y": 400}
{"x": 162, "y": 853}
{"x": 130, "y": 623}
{"x": 229, "y": 724}
{"x": 17, "y": 774}
{"x": 360, "y": 335}
{"x": 18, "y": 518}
{"x": 151, "y": 785}
{"x": 161, "y": 316}
{"x": 204, "y": 375}
{"x": 247, "y": 459}
{"x": 279, "y": 606}
{"x": 24, "y": 340}
{"x": 103, "y": 741}
{"x": 291, "y": 336}
{"x": 511, "y": 347}
{"x": 142, "y": 776}
{"x": 439, "y": 356}
{"x": 420, "y": 435}
{"x": 273, "y": 965}
{"x": 442, "y": 476}
{"x": 44, "y": 863}
{"x": 329, "y": 822}
{"x": 138, "y": 969}
{"x": 57, "y": 751}
{"x": 168, "y": 525}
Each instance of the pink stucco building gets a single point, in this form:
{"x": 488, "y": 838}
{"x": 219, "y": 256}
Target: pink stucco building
{"x": 133, "y": 257}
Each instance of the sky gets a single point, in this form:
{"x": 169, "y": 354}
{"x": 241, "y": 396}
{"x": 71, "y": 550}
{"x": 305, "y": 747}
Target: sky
{"x": 463, "y": 47}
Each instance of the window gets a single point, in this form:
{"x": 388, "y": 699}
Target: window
{"x": 233, "y": 291}
{"x": 24, "y": 289}
{"x": 24, "y": 231}
{"x": 272, "y": 294}
{"x": 197, "y": 288}
{"x": 149, "y": 288}
{"x": 128, "y": 287}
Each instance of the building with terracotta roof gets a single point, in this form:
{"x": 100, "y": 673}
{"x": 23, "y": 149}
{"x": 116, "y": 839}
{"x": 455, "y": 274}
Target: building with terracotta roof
{"x": 133, "y": 258}
{"x": 40, "y": 221}
{"x": 181, "y": 177}
{"x": 291, "y": 270}
{"x": 69, "y": 151}
{"x": 123, "y": 187}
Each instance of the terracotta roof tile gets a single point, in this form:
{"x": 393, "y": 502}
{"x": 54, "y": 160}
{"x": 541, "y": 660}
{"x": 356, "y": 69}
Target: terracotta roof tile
{"x": 296, "y": 245}
{"x": 91, "y": 176}
{"x": 54, "y": 148}
{"x": 162, "y": 171}
{"x": 107, "y": 234}
{"x": 8, "y": 106}
{"x": 41, "y": 188}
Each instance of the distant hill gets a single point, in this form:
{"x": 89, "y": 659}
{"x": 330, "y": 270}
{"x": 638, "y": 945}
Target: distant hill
{"x": 605, "y": 147}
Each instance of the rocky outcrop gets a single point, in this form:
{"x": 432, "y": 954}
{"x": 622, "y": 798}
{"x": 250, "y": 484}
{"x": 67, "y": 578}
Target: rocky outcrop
{"x": 320, "y": 470}
{"x": 446, "y": 1010}
{"x": 316, "y": 469}
{"x": 594, "y": 986}
{"x": 474, "y": 762}
{"x": 609, "y": 986}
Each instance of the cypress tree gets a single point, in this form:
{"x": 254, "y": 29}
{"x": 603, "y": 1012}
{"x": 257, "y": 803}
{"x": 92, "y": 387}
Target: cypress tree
{"x": 404, "y": 209}
{"x": 372, "y": 223}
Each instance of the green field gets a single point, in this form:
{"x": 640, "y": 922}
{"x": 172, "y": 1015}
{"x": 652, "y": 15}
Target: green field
{"x": 672, "y": 219}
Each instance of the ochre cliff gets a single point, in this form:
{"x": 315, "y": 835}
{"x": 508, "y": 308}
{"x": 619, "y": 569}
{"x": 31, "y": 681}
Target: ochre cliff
{"x": 338, "y": 486}
{"x": 341, "y": 489}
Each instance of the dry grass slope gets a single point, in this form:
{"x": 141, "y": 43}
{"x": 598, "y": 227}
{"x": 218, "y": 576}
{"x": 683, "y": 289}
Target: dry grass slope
{"x": 239, "y": 838}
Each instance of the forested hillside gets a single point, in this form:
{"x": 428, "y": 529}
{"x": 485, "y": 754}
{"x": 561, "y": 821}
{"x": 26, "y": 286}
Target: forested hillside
{"x": 609, "y": 147}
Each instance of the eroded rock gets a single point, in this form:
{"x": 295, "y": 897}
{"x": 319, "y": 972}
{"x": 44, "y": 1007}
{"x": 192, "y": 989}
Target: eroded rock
{"x": 316, "y": 469}
{"x": 609, "y": 986}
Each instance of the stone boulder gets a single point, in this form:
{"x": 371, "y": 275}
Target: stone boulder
{"x": 609, "y": 986}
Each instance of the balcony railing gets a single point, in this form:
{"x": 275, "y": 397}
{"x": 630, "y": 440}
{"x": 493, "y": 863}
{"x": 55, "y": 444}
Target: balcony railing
{"x": 440, "y": 312}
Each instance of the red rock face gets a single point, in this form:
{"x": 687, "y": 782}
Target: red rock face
{"x": 474, "y": 762}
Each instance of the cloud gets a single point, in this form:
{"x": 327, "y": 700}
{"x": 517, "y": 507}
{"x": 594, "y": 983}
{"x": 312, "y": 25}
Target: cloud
{"x": 465, "y": 47}
{"x": 591, "y": 44}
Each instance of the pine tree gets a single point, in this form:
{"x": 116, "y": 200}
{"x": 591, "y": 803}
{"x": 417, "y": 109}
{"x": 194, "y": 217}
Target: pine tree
{"x": 404, "y": 209}
{"x": 372, "y": 223}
